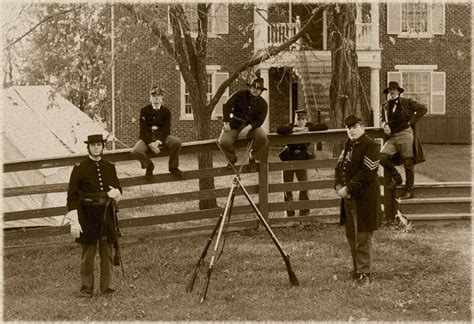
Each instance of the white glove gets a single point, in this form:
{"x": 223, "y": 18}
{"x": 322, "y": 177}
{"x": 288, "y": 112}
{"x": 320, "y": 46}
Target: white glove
{"x": 243, "y": 133}
{"x": 76, "y": 228}
{"x": 114, "y": 193}
{"x": 387, "y": 130}
{"x": 226, "y": 127}
{"x": 154, "y": 146}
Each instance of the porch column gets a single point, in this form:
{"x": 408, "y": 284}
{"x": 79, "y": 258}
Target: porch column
{"x": 260, "y": 33}
{"x": 266, "y": 95}
{"x": 260, "y": 36}
{"x": 375, "y": 94}
{"x": 374, "y": 19}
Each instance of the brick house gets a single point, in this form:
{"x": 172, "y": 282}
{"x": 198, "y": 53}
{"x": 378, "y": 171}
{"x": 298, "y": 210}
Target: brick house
{"x": 424, "y": 46}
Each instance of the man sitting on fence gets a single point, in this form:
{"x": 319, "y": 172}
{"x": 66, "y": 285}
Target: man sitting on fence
{"x": 92, "y": 184}
{"x": 243, "y": 115}
{"x": 356, "y": 182}
{"x": 155, "y": 127}
{"x": 301, "y": 151}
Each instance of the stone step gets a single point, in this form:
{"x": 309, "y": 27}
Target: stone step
{"x": 438, "y": 189}
{"x": 445, "y": 205}
{"x": 438, "y": 217}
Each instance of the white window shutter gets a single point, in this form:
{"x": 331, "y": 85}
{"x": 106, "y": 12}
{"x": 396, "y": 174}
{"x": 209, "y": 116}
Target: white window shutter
{"x": 394, "y": 18}
{"x": 219, "y": 19}
{"x": 170, "y": 29}
{"x": 437, "y": 18}
{"x": 219, "y": 78}
{"x": 438, "y": 93}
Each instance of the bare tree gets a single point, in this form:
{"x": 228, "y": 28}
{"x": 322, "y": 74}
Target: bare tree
{"x": 344, "y": 90}
{"x": 191, "y": 54}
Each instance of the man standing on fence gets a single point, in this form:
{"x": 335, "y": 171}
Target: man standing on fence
{"x": 357, "y": 184}
{"x": 155, "y": 128}
{"x": 398, "y": 118}
{"x": 300, "y": 151}
{"x": 243, "y": 115}
{"x": 92, "y": 185}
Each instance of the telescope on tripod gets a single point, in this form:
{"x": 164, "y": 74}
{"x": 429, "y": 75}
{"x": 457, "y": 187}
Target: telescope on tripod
{"x": 219, "y": 228}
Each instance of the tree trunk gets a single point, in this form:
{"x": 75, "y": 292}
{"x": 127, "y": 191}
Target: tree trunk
{"x": 203, "y": 127}
{"x": 344, "y": 89}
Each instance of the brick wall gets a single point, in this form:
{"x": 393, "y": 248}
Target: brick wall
{"x": 450, "y": 52}
{"x": 138, "y": 69}
{"x": 279, "y": 105}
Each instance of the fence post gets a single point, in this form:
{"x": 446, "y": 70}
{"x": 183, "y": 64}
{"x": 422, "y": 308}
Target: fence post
{"x": 388, "y": 194}
{"x": 263, "y": 184}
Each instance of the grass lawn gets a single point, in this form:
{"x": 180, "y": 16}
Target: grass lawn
{"x": 446, "y": 163}
{"x": 422, "y": 275}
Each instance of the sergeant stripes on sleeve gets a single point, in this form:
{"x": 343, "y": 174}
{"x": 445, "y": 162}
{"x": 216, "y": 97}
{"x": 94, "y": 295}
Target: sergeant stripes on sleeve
{"x": 371, "y": 165}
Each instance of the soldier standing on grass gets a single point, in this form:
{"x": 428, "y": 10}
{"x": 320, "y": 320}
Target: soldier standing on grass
{"x": 299, "y": 151}
{"x": 155, "y": 128}
{"x": 92, "y": 184}
{"x": 356, "y": 182}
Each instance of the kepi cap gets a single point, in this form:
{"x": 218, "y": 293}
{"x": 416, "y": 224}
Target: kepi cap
{"x": 352, "y": 120}
{"x": 157, "y": 91}
{"x": 301, "y": 113}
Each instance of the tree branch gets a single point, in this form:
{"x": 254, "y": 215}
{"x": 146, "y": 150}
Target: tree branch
{"x": 42, "y": 21}
{"x": 272, "y": 51}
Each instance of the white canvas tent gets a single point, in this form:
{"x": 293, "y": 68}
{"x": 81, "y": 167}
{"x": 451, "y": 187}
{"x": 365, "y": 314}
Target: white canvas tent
{"x": 38, "y": 124}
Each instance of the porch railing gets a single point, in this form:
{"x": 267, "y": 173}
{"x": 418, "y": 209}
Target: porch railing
{"x": 279, "y": 33}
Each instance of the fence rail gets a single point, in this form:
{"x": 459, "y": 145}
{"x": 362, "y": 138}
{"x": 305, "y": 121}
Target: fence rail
{"x": 263, "y": 189}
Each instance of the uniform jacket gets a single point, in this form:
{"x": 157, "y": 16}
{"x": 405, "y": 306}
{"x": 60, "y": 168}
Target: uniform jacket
{"x": 299, "y": 151}
{"x": 246, "y": 109}
{"x": 357, "y": 169}
{"x": 92, "y": 178}
{"x": 413, "y": 112}
{"x": 154, "y": 117}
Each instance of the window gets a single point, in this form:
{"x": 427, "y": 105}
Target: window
{"x": 422, "y": 84}
{"x": 416, "y": 18}
{"x": 214, "y": 80}
{"x": 218, "y": 19}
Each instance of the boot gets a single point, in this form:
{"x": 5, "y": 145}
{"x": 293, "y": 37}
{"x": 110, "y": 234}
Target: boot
{"x": 410, "y": 177}
{"x": 391, "y": 170}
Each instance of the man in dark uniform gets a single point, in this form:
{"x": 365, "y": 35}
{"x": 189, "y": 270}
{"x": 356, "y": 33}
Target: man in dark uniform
{"x": 155, "y": 127}
{"x": 398, "y": 118}
{"x": 356, "y": 182}
{"x": 300, "y": 151}
{"x": 92, "y": 184}
{"x": 243, "y": 116}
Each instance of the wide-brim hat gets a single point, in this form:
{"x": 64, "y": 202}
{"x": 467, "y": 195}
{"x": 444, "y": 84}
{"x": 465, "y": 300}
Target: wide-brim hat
{"x": 95, "y": 138}
{"x": 393, "y": 85}
{"x": 352, "y": 120}
{"x": 258, "y": 84}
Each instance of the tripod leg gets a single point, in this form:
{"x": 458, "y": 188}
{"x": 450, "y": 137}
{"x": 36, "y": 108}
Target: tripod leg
{"x": 285, "y": 256}
{"x": 192, "y": 279}
{"x": 226, "y": 213}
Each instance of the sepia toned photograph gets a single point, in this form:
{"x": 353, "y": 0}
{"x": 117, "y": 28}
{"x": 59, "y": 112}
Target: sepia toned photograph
{"x": 231, "y": 161}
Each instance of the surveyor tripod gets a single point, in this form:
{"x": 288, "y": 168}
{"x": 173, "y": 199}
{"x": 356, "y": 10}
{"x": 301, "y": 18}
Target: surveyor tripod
{"x": 226, "y": 213}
